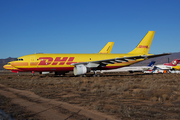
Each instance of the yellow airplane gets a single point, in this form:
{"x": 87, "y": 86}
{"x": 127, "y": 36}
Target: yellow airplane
{"x": 106, "y": 49}
{"x": 177, "y": 67}
{"x": 83, "y": 63}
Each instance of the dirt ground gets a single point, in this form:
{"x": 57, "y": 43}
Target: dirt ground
{"x": 110, "y": 96}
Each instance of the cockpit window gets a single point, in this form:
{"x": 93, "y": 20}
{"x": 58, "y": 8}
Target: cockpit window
{"x": 20, "y": 59}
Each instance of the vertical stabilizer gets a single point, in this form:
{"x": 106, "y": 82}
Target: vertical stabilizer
{"x": 107, "y": 48}
{"x": 173, "y": 63}
{"x": 152, "y": 63}
{"x": 145, "y": 44}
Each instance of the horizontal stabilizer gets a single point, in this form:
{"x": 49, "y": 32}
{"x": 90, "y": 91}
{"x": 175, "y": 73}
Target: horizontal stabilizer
{"x": 158, "y": 55}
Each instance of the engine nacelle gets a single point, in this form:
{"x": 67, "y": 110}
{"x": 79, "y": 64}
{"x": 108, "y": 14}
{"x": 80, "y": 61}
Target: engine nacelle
{"x": 80, "y": 69}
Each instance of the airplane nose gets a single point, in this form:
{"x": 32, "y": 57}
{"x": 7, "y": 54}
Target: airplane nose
{"x": 7, "y": 67}
{"x": 4, "y": 66}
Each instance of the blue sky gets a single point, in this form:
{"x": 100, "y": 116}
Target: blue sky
{"x": 85, "y": 26}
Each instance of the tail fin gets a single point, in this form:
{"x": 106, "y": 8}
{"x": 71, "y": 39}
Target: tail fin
{"x": 173, "y": 63}
{"x": 145, "y": 44}
{"x": 152, "y": 63}
{"x": 107, "y": 48}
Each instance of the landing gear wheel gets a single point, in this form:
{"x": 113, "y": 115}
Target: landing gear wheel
{"x": 96, "y": 75}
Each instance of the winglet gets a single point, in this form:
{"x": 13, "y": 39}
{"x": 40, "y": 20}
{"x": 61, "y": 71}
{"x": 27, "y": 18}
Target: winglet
{"x": 145, "y": 44}
{"x": 107, "y": 48}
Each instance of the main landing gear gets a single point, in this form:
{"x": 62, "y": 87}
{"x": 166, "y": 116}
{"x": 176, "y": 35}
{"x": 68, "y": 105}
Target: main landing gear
{"x": 90, "y": 75}
{"x": 95, "y": 73}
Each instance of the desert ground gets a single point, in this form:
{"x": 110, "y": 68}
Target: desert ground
{"x": 112, "y": 96}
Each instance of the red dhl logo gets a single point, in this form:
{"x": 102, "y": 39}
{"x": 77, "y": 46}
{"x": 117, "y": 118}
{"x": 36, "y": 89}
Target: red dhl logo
{"x": 143, "y": 46}
{"x": 57, "y": 61}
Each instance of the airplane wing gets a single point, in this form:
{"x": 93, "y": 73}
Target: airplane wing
{"x": 103, "y": 63}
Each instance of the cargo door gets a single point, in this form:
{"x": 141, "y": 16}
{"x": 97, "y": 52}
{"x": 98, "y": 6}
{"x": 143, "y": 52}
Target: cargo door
{"x": 32, "y": 61}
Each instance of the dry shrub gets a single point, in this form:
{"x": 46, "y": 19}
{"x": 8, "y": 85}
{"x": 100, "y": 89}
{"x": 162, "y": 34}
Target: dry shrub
{"x": 85, "y": 80}
{"x": 154, "y": 95}
{"x": 160, "y": 92}
{"x": 136, "y": 91}
{"x": 141, "y": 85}
{"x": 76, "y": 83}
{"x": 83, "y": 88}
{"x": 123, "y": 88}
{"x": 124, "y": 111}
{"x": 95, "y": 85}
{"x": 154, "y": 99}
{"x": 97, "y": 90}
{"x": 106, "y": 81}
{"x": 127, "y": 94}
{"x": 114, "y": 88}
{"x": 112, "y": 111}
{"x": 135, "y": 86}
{"x": 153, "y": 86}
{"x": 165, "y": 97}
{"x": 147, "y": 93}
{"x": 142, "y": 94}
{"x": 112, "y": 92}
{"x": 106, "y": 109}
{"x": 107, "y": 86}
{"x": 98, "y": 107}
{"x": 174, "y": 97}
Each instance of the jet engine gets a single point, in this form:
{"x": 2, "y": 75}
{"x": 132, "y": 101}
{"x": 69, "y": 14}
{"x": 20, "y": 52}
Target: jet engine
{"x": 81, "y": 69}
{"x": 44, "y": 73}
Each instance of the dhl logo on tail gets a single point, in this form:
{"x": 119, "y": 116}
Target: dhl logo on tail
{"x": 143, "y": 46}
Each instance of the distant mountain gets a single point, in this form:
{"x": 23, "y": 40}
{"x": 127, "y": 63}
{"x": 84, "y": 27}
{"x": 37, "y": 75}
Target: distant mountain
{"x": 5, "y": 61}
{"x": 159, "y": 60}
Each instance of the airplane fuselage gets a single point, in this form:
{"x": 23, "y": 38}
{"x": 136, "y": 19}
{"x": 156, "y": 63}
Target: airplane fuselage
{"x": 62, "y": 62}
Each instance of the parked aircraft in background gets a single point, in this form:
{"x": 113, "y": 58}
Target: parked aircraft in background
{"x": 177, "y": 67}
{"x": 131, "y": 69}
{"x": 164, "y": 68}
{"x": 83, "y": 63}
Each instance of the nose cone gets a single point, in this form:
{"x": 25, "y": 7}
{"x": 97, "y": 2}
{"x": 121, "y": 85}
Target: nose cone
{"x": 8, "y": 67}
{"x": 5, "y": 66}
